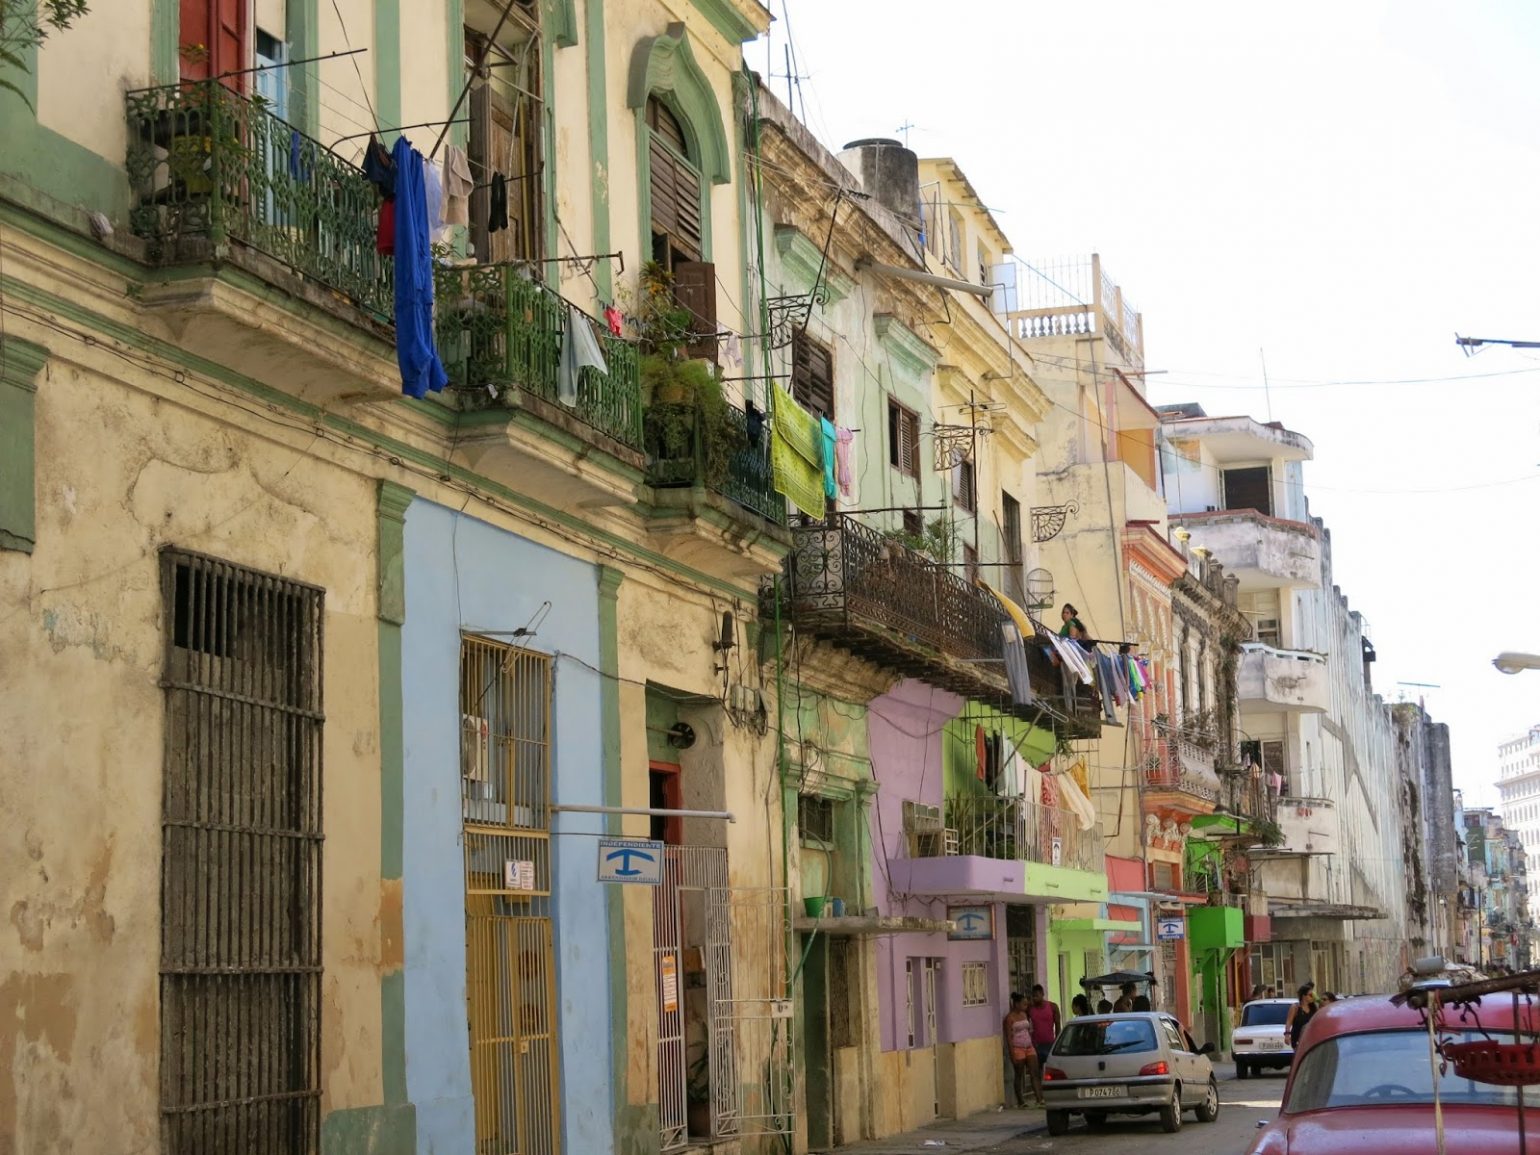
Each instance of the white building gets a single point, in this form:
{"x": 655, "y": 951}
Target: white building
{"x": 1309, "y": 715}
{"x": 1518, "y": 785}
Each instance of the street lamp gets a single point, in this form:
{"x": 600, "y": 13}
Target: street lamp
{"x": 1510, "y": 662}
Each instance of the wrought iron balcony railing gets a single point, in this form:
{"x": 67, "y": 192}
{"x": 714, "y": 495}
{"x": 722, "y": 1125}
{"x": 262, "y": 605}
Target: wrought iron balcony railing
{"x": 1181, "y": 760}
{"x": 496, "y": 327}
{"x": 884, "y": 601}
{"x": 687, "y": 445}
{"x": 1018, "y": 829}
{"x": 209, "y": 165}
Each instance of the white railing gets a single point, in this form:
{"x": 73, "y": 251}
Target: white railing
{"x": 1017, "y": 829}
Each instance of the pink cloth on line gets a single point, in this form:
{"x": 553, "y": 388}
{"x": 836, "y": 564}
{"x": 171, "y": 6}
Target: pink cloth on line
{"x": 844, "y": 472}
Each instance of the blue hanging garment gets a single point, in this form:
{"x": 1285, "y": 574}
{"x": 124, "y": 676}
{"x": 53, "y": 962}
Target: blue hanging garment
{"x": 421, "y": 369}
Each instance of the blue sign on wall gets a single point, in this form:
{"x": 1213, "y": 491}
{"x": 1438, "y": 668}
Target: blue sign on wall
{"x": 636, "y": 860}
{"x": 971, "y": 922}
{"x": 1170, "y": 929}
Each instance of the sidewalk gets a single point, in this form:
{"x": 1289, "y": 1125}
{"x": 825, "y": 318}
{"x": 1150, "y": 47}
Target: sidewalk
{"x": 981, "y": 1132}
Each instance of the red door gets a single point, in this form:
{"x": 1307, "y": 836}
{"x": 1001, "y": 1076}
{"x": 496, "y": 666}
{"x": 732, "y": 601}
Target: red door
{"x": 214, "y": 39}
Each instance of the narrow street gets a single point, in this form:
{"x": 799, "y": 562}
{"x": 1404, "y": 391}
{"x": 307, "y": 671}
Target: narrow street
{"x": 1244, "y": 1105}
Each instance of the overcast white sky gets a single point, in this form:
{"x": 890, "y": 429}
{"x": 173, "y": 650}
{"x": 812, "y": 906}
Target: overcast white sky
{"x": 1344, "y": 185}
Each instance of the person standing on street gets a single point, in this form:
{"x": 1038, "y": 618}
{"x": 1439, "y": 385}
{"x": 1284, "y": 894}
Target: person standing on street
{"x": 1018, "y": 1041}
{"x": 1300, "y": 1014}
{"x": 1044, "y": 1017}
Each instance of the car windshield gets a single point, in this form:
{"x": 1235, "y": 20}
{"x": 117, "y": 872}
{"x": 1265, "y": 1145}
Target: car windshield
{"x": 1265, "y": 1014}
{"x": 1389, "y": 1068}
{"x": 1107, "y": 1037}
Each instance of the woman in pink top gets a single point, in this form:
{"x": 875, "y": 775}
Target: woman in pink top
{"x": 1044, "y": 1017}
{"x": 1018, "y": 1041}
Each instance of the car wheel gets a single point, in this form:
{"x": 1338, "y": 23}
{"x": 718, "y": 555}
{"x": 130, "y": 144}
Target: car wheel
{"x": 1096, "y": 1120}
{"x": 1058, "y": 1122}
{"x": 1241, "y": 1070}
{"x": 1208, "y": 1110}
{"x": 1171, "y": 1113}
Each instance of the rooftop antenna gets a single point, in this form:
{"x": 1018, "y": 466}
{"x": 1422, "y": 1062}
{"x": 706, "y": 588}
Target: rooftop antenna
{"x": 904, "y": 128}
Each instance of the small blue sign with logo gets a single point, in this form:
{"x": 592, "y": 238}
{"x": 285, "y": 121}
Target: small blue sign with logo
{"x": 971, "y": 922}
{"x": 634, "y": 860}
{"x": 1170, "y": 929}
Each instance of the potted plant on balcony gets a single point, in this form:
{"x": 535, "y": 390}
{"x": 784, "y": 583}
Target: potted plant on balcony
{"x": 682, "y": 395}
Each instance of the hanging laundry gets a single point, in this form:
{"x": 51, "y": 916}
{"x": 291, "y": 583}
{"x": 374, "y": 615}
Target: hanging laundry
{"x": 385, "y": 231}
{"x": 829, "y": 441}
{"x": 794, "y": 455}
{"x": 1073, "y": 657}
{"x": 457, "y": 186}
{"x": 1016, "y": 671}
{"x": 844, "y": 465}
{"x": 297, "y": 167}
{"x": 579, "y": 350}
{"x": 1135, "y": 681}
{"x": 754, "y": 422}
{"x": 380, "y": 168}
{"x": 732, "y": 351}
{"x": 1010, "y": 784}
{"x": 497, "y": 214}
{"x": 1106, "y": 685}
{"x": 421, "y": 369}
{"x": 433, "y": 184}
{"x": 614, "y": 319}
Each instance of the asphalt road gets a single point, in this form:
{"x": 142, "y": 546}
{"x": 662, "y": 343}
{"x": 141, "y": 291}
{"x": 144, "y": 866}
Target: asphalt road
{"x": 1242, "y": 1105}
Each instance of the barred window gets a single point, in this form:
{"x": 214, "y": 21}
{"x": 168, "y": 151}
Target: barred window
{"x": 240, "y": 973}
{"x": 975, "y": 984}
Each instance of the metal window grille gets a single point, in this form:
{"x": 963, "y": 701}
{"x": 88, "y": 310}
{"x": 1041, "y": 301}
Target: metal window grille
{"x": 815, "y": 818}
{"x": 510, "y": 990}
{"x": 240, "y": 972}
{"x": 844, "y": 989}
{"x": 975, "y": 984}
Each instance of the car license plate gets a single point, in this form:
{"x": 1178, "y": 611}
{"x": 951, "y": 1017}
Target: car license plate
{"x": 1272, "y": 1044}
{"x": 1102, "y": 1092}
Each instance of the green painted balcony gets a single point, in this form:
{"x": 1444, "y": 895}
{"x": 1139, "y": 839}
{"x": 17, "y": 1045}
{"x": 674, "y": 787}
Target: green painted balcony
{"x": 500, "y": 337}
{"x": 239, "y": 201}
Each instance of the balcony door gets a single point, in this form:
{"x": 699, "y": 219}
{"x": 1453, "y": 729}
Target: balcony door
{"x": 1249, "y": 488}
{"x": 214, "y": 39}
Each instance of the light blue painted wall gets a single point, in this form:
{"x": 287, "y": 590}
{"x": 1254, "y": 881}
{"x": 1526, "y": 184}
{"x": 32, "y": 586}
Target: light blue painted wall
{"x": 502, "y": 580}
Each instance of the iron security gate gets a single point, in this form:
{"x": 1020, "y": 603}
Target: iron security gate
{"x": 240, "y": 890}
{"x": 724, "y": 1031}
{"x": 510, "y": 973}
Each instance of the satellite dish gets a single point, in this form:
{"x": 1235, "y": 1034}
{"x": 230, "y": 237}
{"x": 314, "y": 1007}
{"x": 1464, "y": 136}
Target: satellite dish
{"x": 1039, "y": 589}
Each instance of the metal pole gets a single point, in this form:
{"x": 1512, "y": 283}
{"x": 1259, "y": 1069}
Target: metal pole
{"x": 466, "y": 87}
{"x": 650, "y": 811}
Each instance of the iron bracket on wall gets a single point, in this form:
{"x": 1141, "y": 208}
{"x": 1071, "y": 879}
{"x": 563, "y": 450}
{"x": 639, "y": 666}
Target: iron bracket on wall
{"x": 1048, "y": 520}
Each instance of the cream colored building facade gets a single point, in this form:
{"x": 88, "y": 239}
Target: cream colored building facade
{"x": 214, "y": 415}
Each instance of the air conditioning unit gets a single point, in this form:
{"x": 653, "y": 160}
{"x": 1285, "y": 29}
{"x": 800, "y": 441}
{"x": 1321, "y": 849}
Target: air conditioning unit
{"x": 921, "y": 819}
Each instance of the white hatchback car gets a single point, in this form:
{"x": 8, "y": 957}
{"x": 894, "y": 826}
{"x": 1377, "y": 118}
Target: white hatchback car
{"x": 1129, "y": 1064}
{"x": 1262, "y": 1040}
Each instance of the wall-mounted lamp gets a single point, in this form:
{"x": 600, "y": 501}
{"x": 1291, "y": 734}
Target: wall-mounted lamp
{"x": 1183, "y": 535}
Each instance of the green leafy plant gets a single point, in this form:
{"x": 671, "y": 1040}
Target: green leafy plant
{"x": 937, "y": 541}
{"x": 24, "y": 25}
{"x": 683, "y": 395}
{"x": 1269, "y": 832}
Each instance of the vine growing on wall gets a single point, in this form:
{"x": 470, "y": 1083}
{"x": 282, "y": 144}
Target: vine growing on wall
{"x": 24, "y": 25}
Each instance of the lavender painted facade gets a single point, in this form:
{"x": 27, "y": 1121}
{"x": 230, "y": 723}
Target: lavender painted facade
{"x": 905, "y": 736}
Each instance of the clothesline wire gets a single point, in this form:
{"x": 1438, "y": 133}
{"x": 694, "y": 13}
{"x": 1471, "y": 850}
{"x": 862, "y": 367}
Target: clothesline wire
{"x": 364, "y": 88}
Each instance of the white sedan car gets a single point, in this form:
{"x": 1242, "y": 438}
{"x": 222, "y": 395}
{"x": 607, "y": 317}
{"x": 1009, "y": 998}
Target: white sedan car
{"x": 1262, "y": 1040}
{"x": 1129, "y": 1064}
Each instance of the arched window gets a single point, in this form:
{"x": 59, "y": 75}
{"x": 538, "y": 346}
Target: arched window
{"x": 675, "y": 205}
{"x": 674, "y": 188}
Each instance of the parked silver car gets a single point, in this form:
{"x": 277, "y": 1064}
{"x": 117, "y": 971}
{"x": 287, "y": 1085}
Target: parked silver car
{"x": 1129, "y": 1064}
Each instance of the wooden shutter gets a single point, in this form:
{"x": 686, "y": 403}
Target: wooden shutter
{"x": 219, "y": 27}
{"x": 903, "y": 439}
{"x": 479, "y": 153}
{"x": 673, "y": 184}
{"x": 695, "y": 289}
{"x": 812, "y": 376}
{"x": 963, "y": 484}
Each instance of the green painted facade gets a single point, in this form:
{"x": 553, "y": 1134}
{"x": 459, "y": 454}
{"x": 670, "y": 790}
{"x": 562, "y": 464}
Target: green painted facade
{"x": 21, "y": 363}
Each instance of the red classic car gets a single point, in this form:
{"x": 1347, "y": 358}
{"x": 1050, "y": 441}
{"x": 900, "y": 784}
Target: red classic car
{"x": 1362, "y": 1081}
